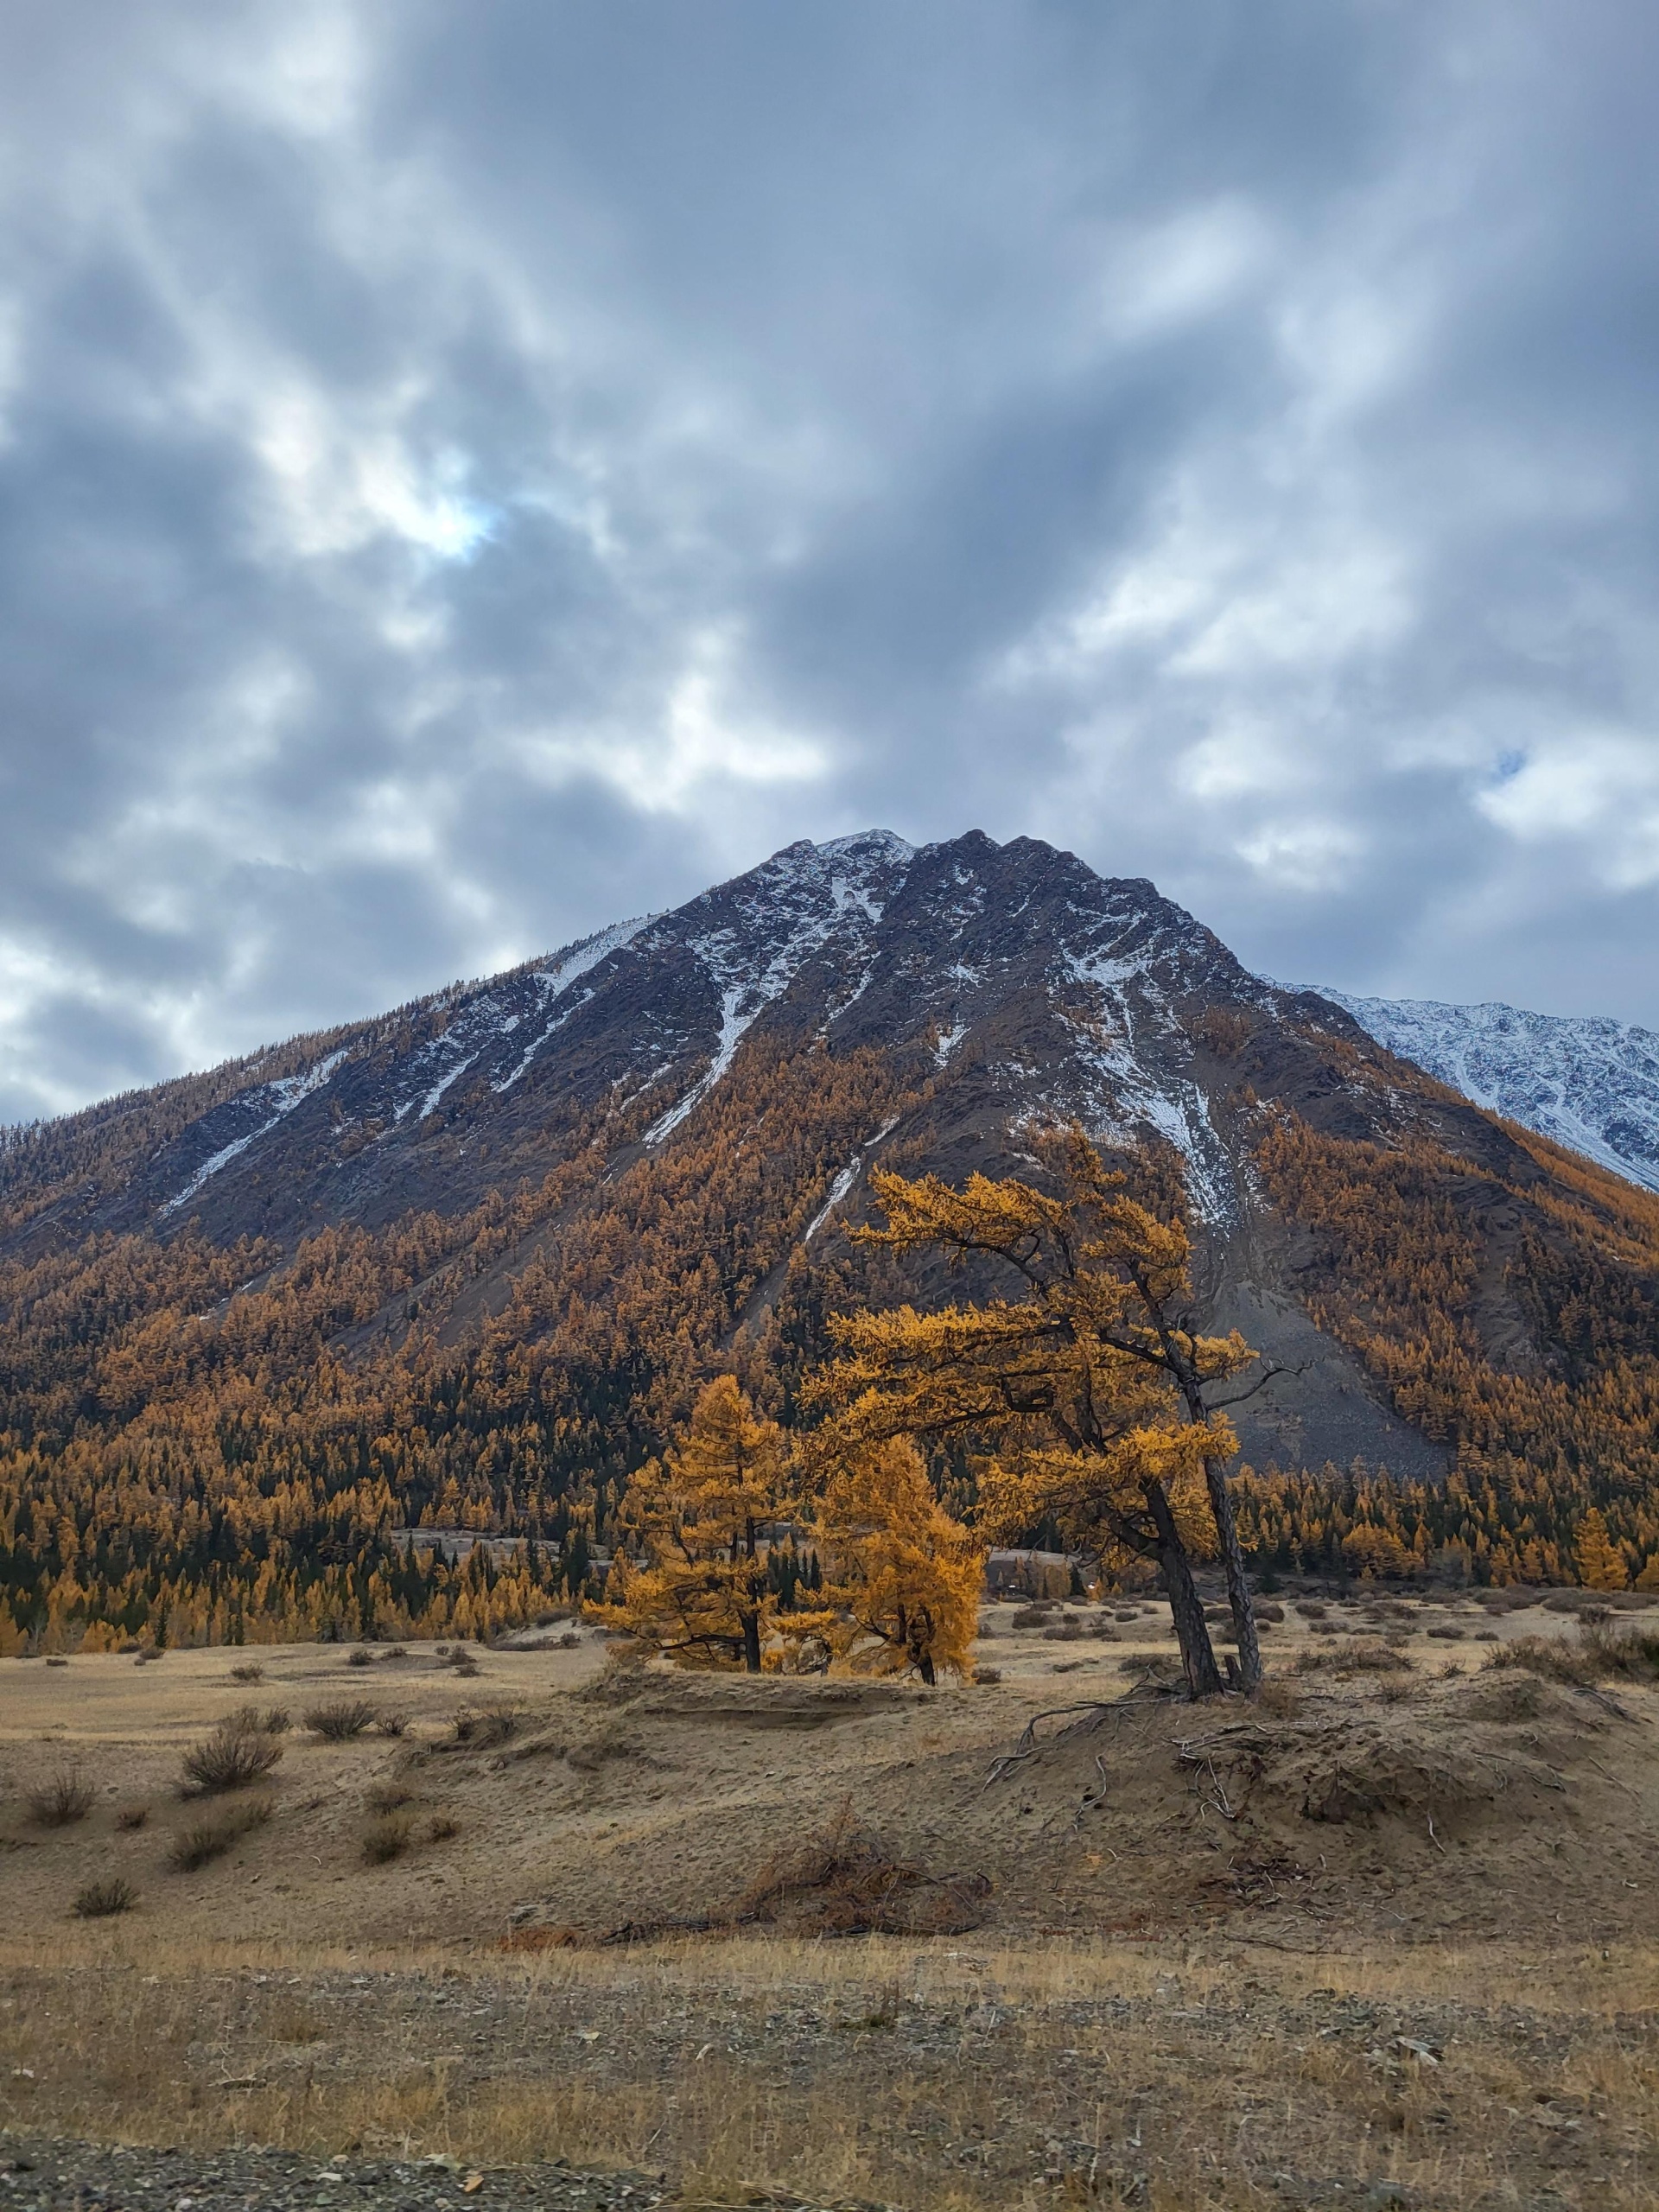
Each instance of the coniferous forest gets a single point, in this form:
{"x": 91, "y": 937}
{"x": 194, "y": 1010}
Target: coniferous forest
{"x": 233, "y": 1441}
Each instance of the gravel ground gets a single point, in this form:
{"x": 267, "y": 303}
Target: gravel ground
{"x": 37, "y": 2175}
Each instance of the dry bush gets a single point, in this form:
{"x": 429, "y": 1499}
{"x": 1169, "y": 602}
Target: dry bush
{"x": 396, "y": 1651}
{"x": 1447, "y": 1633}
{"x": 1279, "y": 1699}
{"x": 1032, "y": 1616}
{"x": 360, "y": 1658}
{"x": 1601, "y": 1655}
{"x": 132, "y": 1816}
{"x": 480, "y": 1731}
{"x": 340, "y": 1719}
{"x": 387, "y": 1838}
{"x": 211, "y": 1839}
{"x": 59, "y": 1803}
{"x": 253, "y": 1720}
{"x": 1310, "y": 1610}
{"x": 57, "y": 1663}
{"x": 393, "y": 1724}
{"x": 984, "y": 1676}
{"x": 622, "y": 1677}
{"x": 1358, "y": 1659}
{"x": 441, "y": 1827}
{"x": 1066, "y": 1632}
{"x": 102, "y": 1900}
{"x": 847, "y": 1882}
{"x": 569, "y": 1641}
{"x": 231, "y": 1758}
{"x": 248, "y": 1674}
{"x": 387, "y": 1796}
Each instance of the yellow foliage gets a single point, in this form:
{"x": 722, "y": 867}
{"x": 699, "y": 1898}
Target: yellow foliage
{"x": 1088, "y": 1387}
{"x": 697, "y": 1522}
{"x": 903, "y": 1578}
{"x": 1601, "y": 1566}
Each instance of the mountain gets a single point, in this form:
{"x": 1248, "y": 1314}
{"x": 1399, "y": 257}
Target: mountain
{"x": 1591, "y": 1083}
{"x": 467, "y": 1263}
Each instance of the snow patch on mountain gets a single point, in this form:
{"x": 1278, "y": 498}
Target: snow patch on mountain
{"x": 1590, "y": 1083}
{"x": 557, "y": 974}
{"x": 281, "y": 1098}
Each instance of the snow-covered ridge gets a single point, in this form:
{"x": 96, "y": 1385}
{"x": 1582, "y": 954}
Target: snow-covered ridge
{"x": 803, "y": 898}
{"x": 1588, "y": 1081}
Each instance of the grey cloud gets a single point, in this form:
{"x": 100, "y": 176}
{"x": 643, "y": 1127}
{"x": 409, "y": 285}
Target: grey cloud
{"x": 466, "y": 474}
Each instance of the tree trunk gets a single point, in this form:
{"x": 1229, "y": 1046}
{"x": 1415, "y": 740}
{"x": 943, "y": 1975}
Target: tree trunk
{"x": 752, "y": 1642}
{"x": 1186, "y": 1607}
{"x": 1238, "y": 1589}
{"x": 925, "y": 1662}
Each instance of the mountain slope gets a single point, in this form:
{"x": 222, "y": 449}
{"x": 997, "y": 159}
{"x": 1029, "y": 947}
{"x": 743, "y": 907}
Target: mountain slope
{"x": 469, "y": 1261}
{"x": 1589, "y": 1083}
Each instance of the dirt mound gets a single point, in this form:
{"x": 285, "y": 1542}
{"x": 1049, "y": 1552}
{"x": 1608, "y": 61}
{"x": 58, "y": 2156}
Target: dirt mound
{"x": 1450, "y": 1804}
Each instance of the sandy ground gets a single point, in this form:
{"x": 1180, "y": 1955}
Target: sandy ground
{"x": 1393, "y": 1928}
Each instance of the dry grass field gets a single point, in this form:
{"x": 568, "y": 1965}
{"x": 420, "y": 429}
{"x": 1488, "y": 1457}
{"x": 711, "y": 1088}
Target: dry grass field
{"x": 1390, "y": 1937}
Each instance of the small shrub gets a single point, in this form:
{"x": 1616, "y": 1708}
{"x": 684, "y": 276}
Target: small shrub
{"x": 1066, "y": 1632}
{"x": 251, "y": 1673}
{"x": 393, "y": 1724}
{"x": 1310, "y": 1611}
{"x": 481, "y": 1730}
{"x": 100, "y": 1900}
{"x": 1600, "y": 1656}
{"x": 211, "y": 1839}
{"x": 132, "y": 1816}
{"x": 569, "y": 1640}
{"x": 1274, "y": 1613}
{"x": 387, "y": 1838}
{"x": 442, "y": 1827}
{"x": 256, "y": 1720}
{"x": 1031, "y": 1616}
{"x": 229, "y": 1758}
{"x": 388, "y": 1797}
{"x": 1279, "y": 1699}
{"x": 360, "y": 1658}
{"x": 984, "y": 1676}
{"x": 67, "y": 1797}
{"x": 1368, "y": 1659}
{"x": 338, "y": 1721}
{"x": 395, "y": 1652}
{"x": 57, "y": 1663}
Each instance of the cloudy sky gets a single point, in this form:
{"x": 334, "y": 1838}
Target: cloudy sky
{"x": 470, "y": 469}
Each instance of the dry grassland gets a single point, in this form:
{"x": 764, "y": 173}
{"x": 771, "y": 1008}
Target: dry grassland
{"x": 1396, "y": 1930}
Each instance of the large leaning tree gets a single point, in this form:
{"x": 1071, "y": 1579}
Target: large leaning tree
{"x": 1090, "y": 1383}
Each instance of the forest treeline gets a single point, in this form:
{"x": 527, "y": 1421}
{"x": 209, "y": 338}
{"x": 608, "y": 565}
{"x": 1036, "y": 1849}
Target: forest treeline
{"x": 201, "y": 1442}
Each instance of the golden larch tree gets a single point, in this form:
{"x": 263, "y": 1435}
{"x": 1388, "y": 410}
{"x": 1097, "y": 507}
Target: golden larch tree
{"x": 1092, "y": 1386}
{"x": 698, "y": 1584}
{"x": 1601, "y": 1564}
{"x": 902, "y": 1577}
